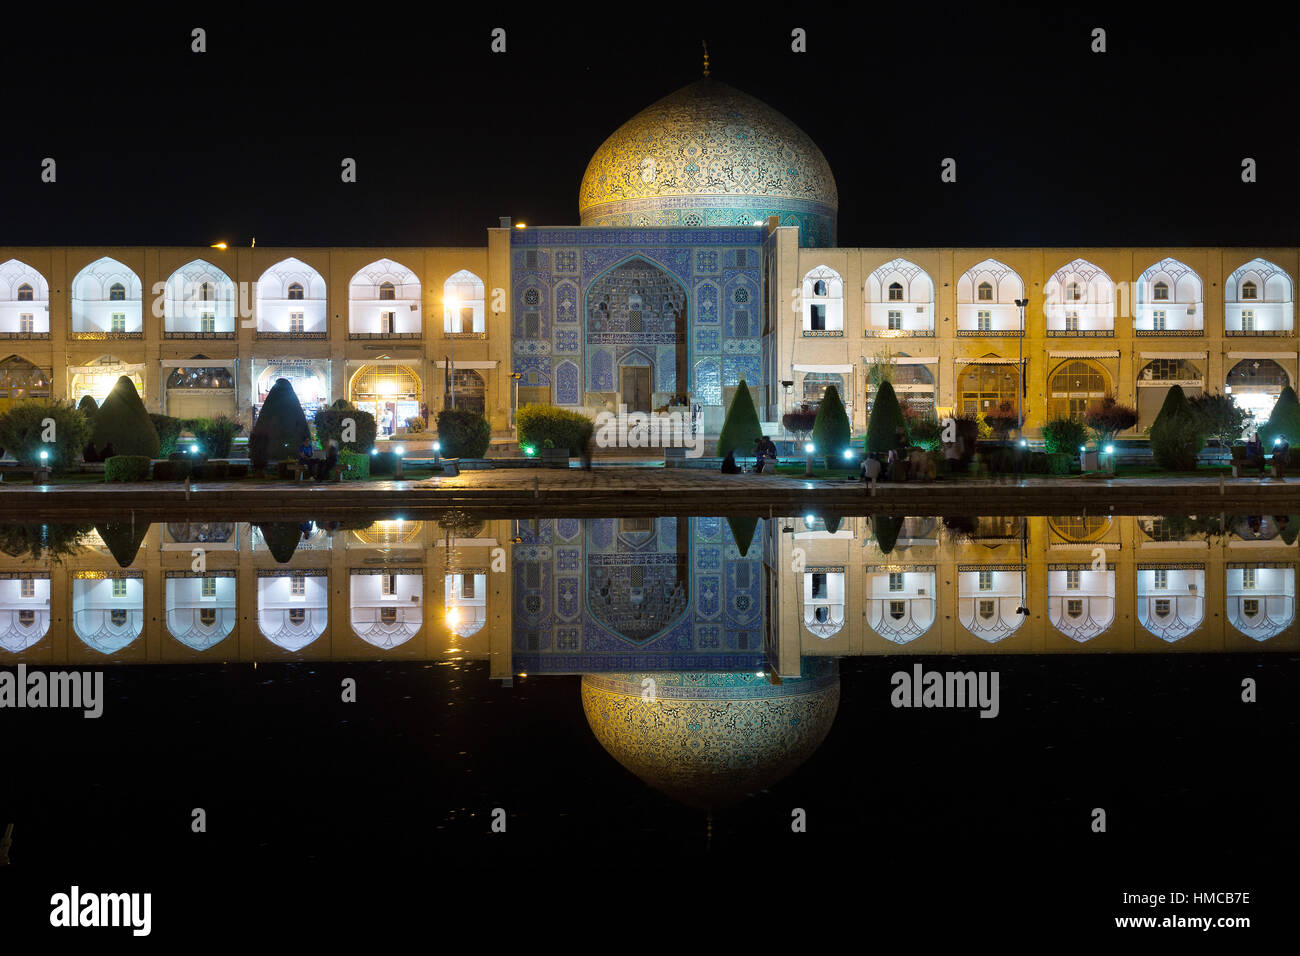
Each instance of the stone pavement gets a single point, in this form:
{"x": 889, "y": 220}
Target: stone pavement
{"x": 621, "y": 491}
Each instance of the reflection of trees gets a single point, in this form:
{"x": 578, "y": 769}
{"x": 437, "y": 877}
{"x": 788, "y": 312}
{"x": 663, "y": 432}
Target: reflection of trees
{"x": 886, "y": 528}
{"x": 958, "y": 530}
{"x": 123, "y": 539}
{"x": 43, "y": 542}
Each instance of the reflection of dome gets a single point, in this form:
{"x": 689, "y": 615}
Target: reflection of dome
{"x": 709, "y": 155}
{"x": 711, "y": 739}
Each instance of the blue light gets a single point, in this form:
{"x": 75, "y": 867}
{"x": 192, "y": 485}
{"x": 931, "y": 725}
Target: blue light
{"x": 1278, "y": 440}
{"x": 810, "y": 448}
{"x": 400, "y": 450}
{"x": 809, "y": 519}
{"x": 374, "y": 451}
{"x": 848, "y": 453}
{"x": 1110, "y": 449}
{"x": 44, "y": 455}
{"x": 194, "y": 449}
{"x": 1023, "y": 443}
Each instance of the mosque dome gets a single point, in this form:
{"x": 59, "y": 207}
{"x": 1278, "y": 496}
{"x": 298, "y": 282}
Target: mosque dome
{"x": 709, "y": 740}
{"x": 710, "y": 155}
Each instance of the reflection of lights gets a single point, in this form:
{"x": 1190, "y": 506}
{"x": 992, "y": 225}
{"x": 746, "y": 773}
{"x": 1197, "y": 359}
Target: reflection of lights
{"x": 453, "y": 617}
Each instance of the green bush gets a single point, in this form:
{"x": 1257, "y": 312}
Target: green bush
{"x": 211, "y": 471}
{"x": 1064, "y": 436}
{"x": 169, "y": 433}
{"x": 354, "y": 465}
{"x": 23, "y": 429}
{"x": 925, "y": 432}
{"x": 545, "y": 426}
{"x": 127, "y": 468}
{"x": 215, "y": 435}
{"x": 383, "y": 463}
{"x": 417, "y": 424}
{"x": 1178, "y": 433}
{"x": 1284, "y": 422}
{"x": 123, "y": 422}
{"x": 831, "y": 433}
{"x": 1058, "y": 462}
{"x": 280, "y": 428}
{"x": 885, "y": 420}
{"x": 463, "y": 433}
{"x": 88, "y": 407}
{"x": 330, "y": 423}
{"x": 172, "y": 470}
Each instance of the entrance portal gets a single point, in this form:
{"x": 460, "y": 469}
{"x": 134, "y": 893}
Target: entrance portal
{"x": 634, "y": 387}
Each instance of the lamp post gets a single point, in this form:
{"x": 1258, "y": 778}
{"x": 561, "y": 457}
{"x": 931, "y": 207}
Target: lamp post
{"x": 514, "y": 395}
{"x": 1020, "y": 367}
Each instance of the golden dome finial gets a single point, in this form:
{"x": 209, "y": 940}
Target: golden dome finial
{"x": 705, "y": 44}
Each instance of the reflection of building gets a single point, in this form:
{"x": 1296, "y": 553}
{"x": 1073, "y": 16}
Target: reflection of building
{"x": 1261, "y": 598}
{"x": 200, "y": 607}
{"x": 386, "y": 605}
{"x": 1080, "y": 601}
{"x": 108, "y": 608}
{"x": 24, "y": 609}
{"x": 710, "y": 739}
{"x": 989, "y": 597}
{"x": 292, "y": 606}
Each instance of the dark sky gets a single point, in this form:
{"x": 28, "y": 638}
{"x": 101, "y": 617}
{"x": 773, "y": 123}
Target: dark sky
{"x": 1055, "y": 145}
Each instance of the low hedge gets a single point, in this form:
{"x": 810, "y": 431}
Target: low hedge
{"x": 211, "y": 471}
{"x": 1058, "y": 463}
{"x": 171, "y": 470}
{"x": 545, "y": 426}
{"x": 236, "y": 471}
{"x": 463, "y": 433}
{"x": 383, "y": 463}
{"x": 127, "y": 468}
{"x": 354, "y": 466}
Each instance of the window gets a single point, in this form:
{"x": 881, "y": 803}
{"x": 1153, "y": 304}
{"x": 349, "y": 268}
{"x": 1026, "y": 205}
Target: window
{"x": 1160, "y": 292}
{"x": 25, "y": 293}
{"x": 984, "y": 319}
{"x": 895, "y": 292}
{"x": 1072, "y": 579}
{"x": 27, "y": 587}
{"x": 1158, "y": 320}
{"x": 1073, "y": 293}
{"x": 818, "y": 584}
{"x": 819, "y": 287}
{"x": 1074, "y": 607}
{"x": 1249, "y": 290}
{"x": 1162, "y": 607}
{"x": 297, "y": 615}
{"x": 1160, "y": 579}
{"x": 206, "y": 293}
{"x": 117, "y": 292}
{"x": 295, "y": 290}
{"x": 119, "y": 587}
{"x": 817, "y": 317}
{"x": 532, "y": 325}
{"x": 388, "y": 585}
{"x": 1248, "y": 320}
{"x": 895, "y": 319}
{"x": 742, "y": 296}
{"x": 897, "y": 609}
{"x": 388, "y": 615}
{"x": 532, "y": 297}
{"x": 386, "y": 322}
{"x": 895, "y": 581}
{"x": 985, "y": 292}
{"x": 635, "y": 525}
{"x": 119, "y": 322}
{"x": 26, "y": 618}
{"x": 1250, "y": 607}
{"x": 987, "y": 609}
{"x": 207, "y": 616}
{"x": 298, "y": 585}
{"x": 208, "y": 589}
{"x": 26, "y": 322}
{"x": 208, "y": 322}
{"x": 387, "y": 292}
{"x": 1072, "y": 321}
{"x": 296, "y": 323}
{"x": 986, "y": 580}
{"x": 1248, "y": 579}
{"x": 117, "y": 617}
{"x": 467, "y": 589}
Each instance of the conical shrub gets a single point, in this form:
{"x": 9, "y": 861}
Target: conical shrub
{"x": 1284, "y": 422}
{"x": 742, "y": 531}
{"x": 831, "y": 432}
{"x": 88, "y": 407}
{"x": 886, "y": 529}
{"x": 123, "y": 421}
{"x": 884, "y": 422}
{"x": 123, "y": 538}
{"x": 280, "y": 427}
{"x": 1177, "y": 434}
{"x": 741, "y": 426}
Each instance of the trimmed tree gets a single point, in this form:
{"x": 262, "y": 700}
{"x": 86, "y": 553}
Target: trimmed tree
{"x": 1177, "y": 434}
{"x": 123, "y": 422}
{"x": 1109, "y": 419}
{"x": 281, "y": 539}
{"x": 831, "y": 432}
{"x": 123, "y": 538}
{"x": 88, "y": 407}
{"x": 23, "y": 432}
{"x": 463, "y": 433}
{"x": 742, "y": 532}
{"x": 741, "y": 426}
{"x": 1224, "y": 419}
{"x": 1284, "y": 422}
{"x": 884, "y": 422}
{"x": 280, "y": 427}
{"x": 332, "y": 422}
{"x": 886, "y": 529}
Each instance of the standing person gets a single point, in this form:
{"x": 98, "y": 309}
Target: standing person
{"x": 329, "y": 461}
{"x": 90, "y": 453}
{"x": 952, "y": 454}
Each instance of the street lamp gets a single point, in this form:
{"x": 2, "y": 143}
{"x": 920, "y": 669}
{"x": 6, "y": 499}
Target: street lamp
{"x": 1020, "y": 366}
{"x": 514, "y": 395}
{"x": 808, "y": 462}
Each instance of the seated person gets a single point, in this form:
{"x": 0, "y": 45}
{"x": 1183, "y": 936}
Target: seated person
{"x": 108, "y": 452}
{"x": 91, "y": 453}
{"x": 305, "y": 456}
{"x": 729, "y": 466}
{"x": 330, "y": 459}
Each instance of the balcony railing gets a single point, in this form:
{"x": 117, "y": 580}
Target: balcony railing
{"x": 198, "y": 335}
{"x": 1181, "y": 333}
{"x": 899, "y": 333}
{"x": 991, "y": 333}
{"x": 385, "y": 335}
{"x": 101, "y": 336}
{"x": 1081, "y": 333}
{"x": 24, "y": 335}
{"x": 823, "y": 333}
{"x": 464, "y": 335}
{"x": 1268, "y": 333}
{"x": 291, "y": 335}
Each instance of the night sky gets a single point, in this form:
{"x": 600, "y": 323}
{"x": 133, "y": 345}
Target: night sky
{"x": 1055, "y": 145}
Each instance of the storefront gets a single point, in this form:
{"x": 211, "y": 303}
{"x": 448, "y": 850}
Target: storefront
{"x": 98, "y": 378}
{"x": 1256, "y": 379}
{"x": 20, "y": 380}
{"x": 199, "y": 387}
{"x": 1160, "y": 371}
{"x": 390, "y": 391}
{"x": 310, "y": 379}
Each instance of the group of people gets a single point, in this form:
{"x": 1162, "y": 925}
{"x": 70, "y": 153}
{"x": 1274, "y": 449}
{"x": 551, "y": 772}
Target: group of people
{"x": 317, "y": 462}
{"x": 91, "y": 453}
{"x": 764, "y": 451}
{"x": 1255, "y": 452}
